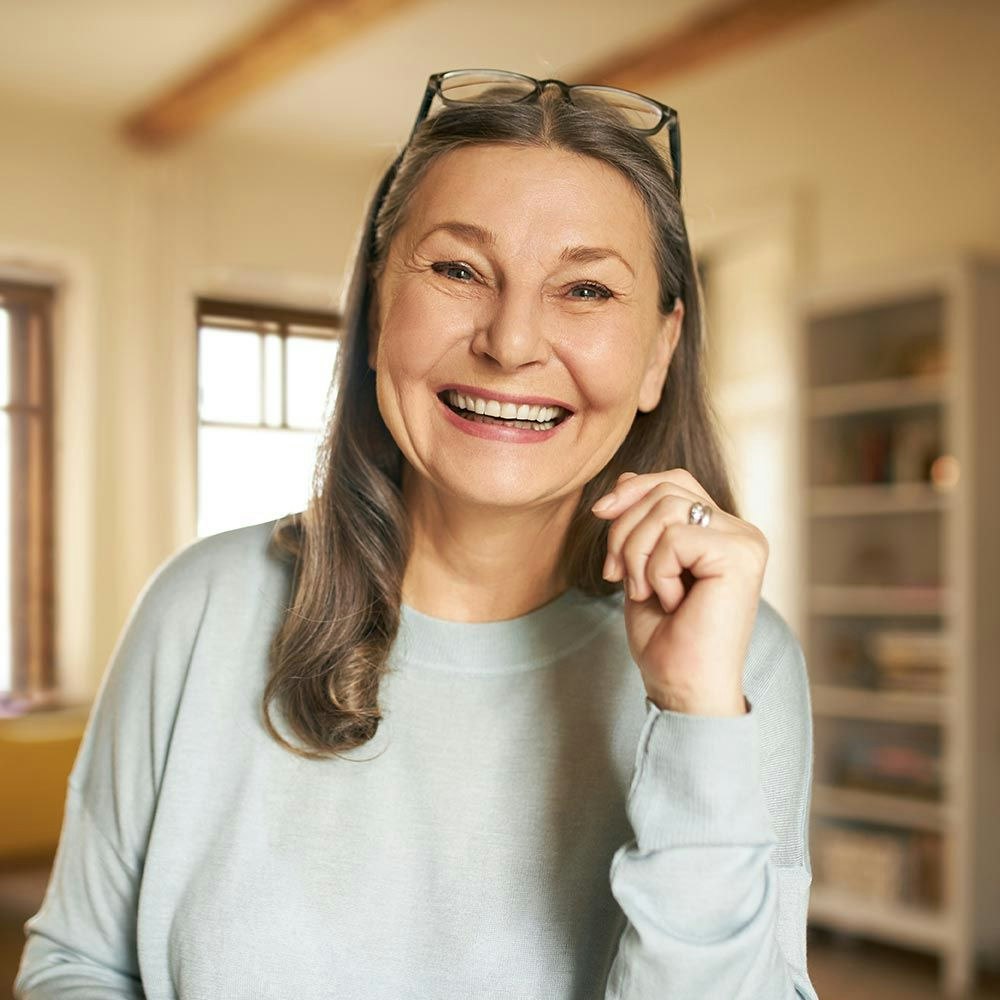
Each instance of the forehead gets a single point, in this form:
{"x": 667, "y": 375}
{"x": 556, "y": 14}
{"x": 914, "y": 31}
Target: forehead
{"x": 532, "y": 193}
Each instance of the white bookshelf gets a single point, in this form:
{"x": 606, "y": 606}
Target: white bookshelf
{"x": 900, "y": 417}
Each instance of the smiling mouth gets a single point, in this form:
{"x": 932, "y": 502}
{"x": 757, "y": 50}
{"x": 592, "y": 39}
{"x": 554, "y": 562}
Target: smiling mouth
{"x": 484, "y": 411}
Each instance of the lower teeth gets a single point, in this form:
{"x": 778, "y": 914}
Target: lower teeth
{"x": 481, "y": 418}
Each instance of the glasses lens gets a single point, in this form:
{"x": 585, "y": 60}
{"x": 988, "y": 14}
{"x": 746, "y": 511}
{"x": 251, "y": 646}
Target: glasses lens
{"x": 485, "y": 88}
{"x": 638, "y": 112}
{"x": 633, "y": 110}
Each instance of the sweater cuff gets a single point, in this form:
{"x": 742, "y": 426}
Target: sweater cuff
{"x": 697, "y": 781}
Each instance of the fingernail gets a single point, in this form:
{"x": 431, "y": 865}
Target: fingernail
{"x": 633, "y": 590}
{"x": 609, "y": 567}
{"x": 627, "y": 475}
{"x": 606, "y": 504}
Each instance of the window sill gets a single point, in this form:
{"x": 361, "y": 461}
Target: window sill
{"x": 41, "y": 718}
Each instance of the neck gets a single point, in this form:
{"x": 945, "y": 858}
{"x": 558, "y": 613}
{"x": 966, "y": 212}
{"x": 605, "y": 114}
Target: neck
{"x": 473, "y": 563}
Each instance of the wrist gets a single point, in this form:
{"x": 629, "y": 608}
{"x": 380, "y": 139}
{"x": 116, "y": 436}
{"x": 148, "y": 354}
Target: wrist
{"x": 733, "y": 705}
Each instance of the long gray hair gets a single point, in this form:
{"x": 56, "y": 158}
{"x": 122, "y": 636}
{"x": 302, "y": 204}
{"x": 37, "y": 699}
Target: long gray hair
{"x": 349, "y": 548}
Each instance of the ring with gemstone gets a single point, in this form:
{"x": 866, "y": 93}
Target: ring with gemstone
{"x": 700, "y": 514}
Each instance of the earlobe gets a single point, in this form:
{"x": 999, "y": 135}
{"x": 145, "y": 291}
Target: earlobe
{"x": 665, "y": 344}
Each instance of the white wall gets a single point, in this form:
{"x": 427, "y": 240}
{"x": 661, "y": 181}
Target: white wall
{"x": 878, "y": 124}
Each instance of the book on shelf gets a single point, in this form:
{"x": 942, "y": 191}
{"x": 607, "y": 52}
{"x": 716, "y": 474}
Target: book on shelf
{"x": 881, "y": 864}
{"x": 866, "y": 864}
{"x": 909, "y": 659}
{"x": 901, "y": 448}
{"x": 890, "y": 758}
{"x": 897, "y": 660}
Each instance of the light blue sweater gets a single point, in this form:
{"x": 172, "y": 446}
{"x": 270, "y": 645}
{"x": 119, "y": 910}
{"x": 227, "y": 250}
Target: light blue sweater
{"x": 526, "y": 825}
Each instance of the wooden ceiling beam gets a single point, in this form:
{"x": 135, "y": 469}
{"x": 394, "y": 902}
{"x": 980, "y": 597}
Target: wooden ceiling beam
{"x": 274, "y": 48}
{"x": 705, "y": 38}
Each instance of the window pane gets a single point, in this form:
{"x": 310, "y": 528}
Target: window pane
{"x": 310, "y": 369}
{"x": 4, "y": 357}
{"x": 229, "y": 375}
{"x": 273, "y": 378}
{"x": 249, "y": 475}
{"x": 6, "y": 624}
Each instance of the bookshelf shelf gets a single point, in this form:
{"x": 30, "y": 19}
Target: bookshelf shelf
{"x": 874, "y": 600}
{"x": 901, "y": 553}
{"x": 878, "y": 807}
{"x": 837, "y": 701}
{"x": 877, "y": 498}
{"x": 923, "y": 929}
{"x": 879, "y": 394}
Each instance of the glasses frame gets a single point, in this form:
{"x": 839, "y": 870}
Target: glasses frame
{"x": 668, "y": 115}
{"x": 668, "y": 118}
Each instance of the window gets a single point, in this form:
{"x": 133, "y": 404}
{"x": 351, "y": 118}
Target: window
{"x": 27, "y": 602}
{"x": 264, "y": 375}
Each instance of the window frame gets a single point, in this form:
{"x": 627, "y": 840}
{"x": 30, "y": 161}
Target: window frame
{"x": 261, "y": 320}
{"x": 34, "y": 678}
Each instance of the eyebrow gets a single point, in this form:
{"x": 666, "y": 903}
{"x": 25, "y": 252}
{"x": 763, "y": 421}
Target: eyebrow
{"x": 480, "y": 236}
{"x": 468, "y": 231}
{"x": 584, "y": 255}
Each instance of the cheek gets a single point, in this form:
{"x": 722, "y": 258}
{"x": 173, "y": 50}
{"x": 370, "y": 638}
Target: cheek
{"x": 415, "y": 331}
{"x": 607, "y": 365}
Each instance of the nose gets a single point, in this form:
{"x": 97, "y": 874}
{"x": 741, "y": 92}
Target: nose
{"x": 513, "y": 333}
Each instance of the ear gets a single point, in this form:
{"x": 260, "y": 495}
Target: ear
{"x": 662, "y": 350}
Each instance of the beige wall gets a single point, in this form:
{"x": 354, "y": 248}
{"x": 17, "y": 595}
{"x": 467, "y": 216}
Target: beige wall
{"x": 131, "y": 241}
{"x": 884, "y": 116}
{"x": 864, "y": 141}
{"x": 878, "y": 125}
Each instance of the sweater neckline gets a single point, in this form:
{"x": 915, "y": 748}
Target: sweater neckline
{"x": 535, "y": 639}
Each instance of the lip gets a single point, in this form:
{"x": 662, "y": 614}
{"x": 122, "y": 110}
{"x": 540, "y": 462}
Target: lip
{"x": 497, "y": 432}
{"x": 504, "y": 397}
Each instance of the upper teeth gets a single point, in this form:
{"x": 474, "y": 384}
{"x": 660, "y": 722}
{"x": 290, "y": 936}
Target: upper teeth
{"x": 508, "y": 411}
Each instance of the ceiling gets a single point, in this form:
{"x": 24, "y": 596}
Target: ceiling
{"x": 109, "y": 57}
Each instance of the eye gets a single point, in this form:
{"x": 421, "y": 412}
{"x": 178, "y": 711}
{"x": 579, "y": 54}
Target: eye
{"x": 593, "y": 289}
{"x": 452, "y": 269}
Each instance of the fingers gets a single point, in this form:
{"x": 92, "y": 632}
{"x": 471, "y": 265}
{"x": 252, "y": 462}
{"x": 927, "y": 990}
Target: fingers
{"x": 628, "y": 490}
{"x": 661, "y": 572}
{"x": 679, "y": 547}
{"x": 651, "y": 543}
{"x": 634, "y": 532}
{"x": 663, "y": 531}
{"x": 634, "y": 498}
{"x": 705, "y": 553}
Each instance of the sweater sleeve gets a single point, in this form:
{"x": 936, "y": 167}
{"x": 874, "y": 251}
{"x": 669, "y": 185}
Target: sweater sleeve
{"x": 81, "y": 944}
{"x": 715, "y": 883}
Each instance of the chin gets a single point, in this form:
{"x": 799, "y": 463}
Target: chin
{"x": 513, "y": 494}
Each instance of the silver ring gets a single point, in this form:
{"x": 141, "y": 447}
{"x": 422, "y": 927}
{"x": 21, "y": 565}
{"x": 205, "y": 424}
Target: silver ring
{"x": 700, "y": 514}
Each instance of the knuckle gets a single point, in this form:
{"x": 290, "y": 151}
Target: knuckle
{"x": 671, "y": 531}
{"x": 760, "y": 539}
{"x": 686, "y": 476}
{"x": 616, "y": 535}
{"x": 665, "y": 503}
{"x": 755, "y": 545}
{"x": 630, "y": 549}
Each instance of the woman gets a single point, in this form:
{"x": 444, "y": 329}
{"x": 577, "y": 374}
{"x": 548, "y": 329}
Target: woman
{"x": 521, "y": 580}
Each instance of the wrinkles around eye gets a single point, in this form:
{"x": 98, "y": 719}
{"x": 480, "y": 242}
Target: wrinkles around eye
{"x": 453, "y": 269}
{"x": 444, "y": 267}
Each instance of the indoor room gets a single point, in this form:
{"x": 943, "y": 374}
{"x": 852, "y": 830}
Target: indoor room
{"x": 185, "y": 233}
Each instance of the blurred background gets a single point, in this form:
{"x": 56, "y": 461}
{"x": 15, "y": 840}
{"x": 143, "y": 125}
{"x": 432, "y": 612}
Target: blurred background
{"x": 181, "y": 186}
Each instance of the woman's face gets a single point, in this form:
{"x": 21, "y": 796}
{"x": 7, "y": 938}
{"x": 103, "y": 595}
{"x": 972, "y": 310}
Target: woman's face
{"x": 521, "y": 275}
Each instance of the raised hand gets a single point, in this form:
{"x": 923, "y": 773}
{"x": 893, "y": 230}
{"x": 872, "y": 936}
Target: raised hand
{"x": 691, "y": 590}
